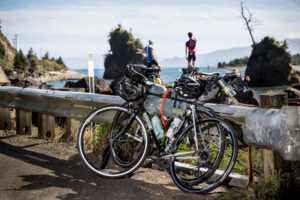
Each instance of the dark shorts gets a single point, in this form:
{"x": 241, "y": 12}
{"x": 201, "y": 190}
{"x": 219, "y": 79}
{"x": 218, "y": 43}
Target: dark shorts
{"x": 192, "y": 56}
{"x": 153, "y": 62}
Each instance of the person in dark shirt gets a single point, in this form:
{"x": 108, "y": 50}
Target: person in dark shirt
{"x": 190, "y": 50}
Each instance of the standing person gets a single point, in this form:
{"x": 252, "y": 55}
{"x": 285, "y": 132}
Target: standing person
{"x": 149, "y": 53}
{"x": 190, "y": 50}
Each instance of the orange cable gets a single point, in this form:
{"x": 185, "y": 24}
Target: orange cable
{"x": 162, "y": 106}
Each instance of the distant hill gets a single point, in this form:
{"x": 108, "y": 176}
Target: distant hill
{"x": 294, "y": 46}
{"x": 211, "y": 59}
{"x": 224, "y": 55}
{"x": 81, "y": 62}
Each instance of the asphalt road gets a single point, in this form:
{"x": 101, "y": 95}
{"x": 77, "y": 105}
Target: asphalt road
{"x": 36, "y": 169}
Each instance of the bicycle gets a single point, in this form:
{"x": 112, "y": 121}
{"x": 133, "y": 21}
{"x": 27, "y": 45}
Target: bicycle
{"x": 114, "y": 141}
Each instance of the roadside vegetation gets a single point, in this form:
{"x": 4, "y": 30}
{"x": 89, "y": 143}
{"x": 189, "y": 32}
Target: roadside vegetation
{"x": 12, "y": 59}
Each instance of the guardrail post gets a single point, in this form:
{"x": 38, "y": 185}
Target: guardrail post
{"x": 23, "y": 122}
{"x": 46, "y": 125}
{"x": 272, "y": 160}
{"x": 77, "y": 89}
{"x": 5, "y": 119}
{"x": 72, "y": 129}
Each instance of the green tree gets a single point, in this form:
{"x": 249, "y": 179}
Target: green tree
{"x": 20, "y": 61}
{"x": 296, "y": 59}
{"x": 33, "y": 60}
{"x": 30, "y": 53}
{"x": 2, "y": 50}
{"x": 284, "y": 45}
{"x": 46, "y": 56}
{"x": 60, "y": 61}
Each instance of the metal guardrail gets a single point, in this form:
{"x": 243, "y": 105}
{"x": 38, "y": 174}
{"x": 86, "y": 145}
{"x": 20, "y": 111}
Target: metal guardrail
{"x": 277, "y": 129}
{"x": 58, "y": 103}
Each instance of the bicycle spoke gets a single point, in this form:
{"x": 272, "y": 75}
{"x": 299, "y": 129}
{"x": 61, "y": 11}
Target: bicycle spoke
{"x": 109, "y": 145}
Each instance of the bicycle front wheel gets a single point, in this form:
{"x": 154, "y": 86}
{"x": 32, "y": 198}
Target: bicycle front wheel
{"x": 202, "y": 164}
{"x": 106, "y": 147}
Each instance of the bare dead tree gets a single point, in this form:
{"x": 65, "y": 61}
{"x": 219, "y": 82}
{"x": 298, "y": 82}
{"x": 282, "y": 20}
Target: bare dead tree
{"x": 249, "y": 21}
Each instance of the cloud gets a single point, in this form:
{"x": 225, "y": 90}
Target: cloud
{"x": 74, "y": 29}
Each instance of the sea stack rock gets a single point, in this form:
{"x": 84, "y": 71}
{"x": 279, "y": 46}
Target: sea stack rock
{"x": 124, "y": 49}
{"x": 271, "y": 65}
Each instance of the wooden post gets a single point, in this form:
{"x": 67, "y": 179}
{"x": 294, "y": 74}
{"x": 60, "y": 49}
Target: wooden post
{"x": 72, "y": 129}
{"x": 272, "y": 160}
{"x": 23, "y": 122}
{"x": 5, "y": 119}
{"x": 46, "y": 125}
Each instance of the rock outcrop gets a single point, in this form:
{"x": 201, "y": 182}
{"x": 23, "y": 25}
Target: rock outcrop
{"x": 124, "y": 49}
{"x": 3, "y": 78}
{"x": 25, "y": 79}
{"x": 5, "y": 51}
{"x": 293, "y": 92}
{"x": 101, "y": 87}
{"x": 114, "y": 69}
{"x": 271, "y": 65}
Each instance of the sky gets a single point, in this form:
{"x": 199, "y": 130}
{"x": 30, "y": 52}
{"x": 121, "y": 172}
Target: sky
{"x": 71, "y": 28}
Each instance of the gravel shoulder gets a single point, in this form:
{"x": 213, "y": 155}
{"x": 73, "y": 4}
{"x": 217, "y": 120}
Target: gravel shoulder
{"x": 37, "y": 169}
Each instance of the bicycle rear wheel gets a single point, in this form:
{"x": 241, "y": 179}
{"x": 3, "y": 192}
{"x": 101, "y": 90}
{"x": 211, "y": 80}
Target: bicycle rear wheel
{"x": 106, "y": 148}
{"x": 204, "y": 170}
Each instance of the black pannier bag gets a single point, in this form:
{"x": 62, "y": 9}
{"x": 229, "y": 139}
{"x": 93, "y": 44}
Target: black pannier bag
{"x": 211, "y": 91}
{"x": 188, "y": 87}
{"x": 136, "y": 73}
{"x": 128, "y": 90}
{"x": 131, "y": 87}
{"x": 238, "y": 84}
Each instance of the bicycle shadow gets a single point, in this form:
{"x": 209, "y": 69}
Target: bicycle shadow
{"x": 73, "y": 176}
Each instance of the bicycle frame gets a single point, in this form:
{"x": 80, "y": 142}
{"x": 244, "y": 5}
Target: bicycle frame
{"x": 161, "y": 152}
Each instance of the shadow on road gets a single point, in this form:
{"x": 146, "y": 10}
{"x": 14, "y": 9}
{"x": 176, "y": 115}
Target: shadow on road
{"x": 71, "y": 174}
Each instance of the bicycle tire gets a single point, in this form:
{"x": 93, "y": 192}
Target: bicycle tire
{"x": 202, "y": 112}
{"x": 100, "y": 161}
{"x": 197, "y": 184}
{"x": 115, "y": 154}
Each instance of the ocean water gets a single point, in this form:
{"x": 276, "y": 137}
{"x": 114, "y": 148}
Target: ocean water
{"x": 171, "y": 74}
{"x": 167, "y": 74}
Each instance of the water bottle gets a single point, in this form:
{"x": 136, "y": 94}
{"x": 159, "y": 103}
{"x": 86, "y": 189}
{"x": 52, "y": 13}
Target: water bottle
{"x": 173, "y": 127}
{"x": 171, "y": 131}
{"x": 157, "y": 127}
{"x": 147, "y": 120}
{"x": 227, "y": 88}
